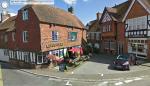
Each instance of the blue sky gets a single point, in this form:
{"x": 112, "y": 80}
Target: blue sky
{"x": 85, "y": 10}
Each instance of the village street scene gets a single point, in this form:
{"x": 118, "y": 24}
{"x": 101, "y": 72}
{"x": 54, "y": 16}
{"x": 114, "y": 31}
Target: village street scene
{"x": 74, "y": 42}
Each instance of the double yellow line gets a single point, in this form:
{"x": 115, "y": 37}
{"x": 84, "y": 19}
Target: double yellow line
{"x": 1, "y": 78}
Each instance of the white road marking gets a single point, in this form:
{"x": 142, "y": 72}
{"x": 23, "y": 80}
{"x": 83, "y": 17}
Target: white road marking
{"x": 68, "y": 84}
{"x": 138, "y": 78}
{"x": 53, "y": 79}
{"x": 128, "y": 81}
{"x": 103, "y": 83}
{"x": 118, "y": 83}
{"x": 22, "y": 72}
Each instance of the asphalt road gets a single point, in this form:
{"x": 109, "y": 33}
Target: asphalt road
{"x": 15, "y": 77}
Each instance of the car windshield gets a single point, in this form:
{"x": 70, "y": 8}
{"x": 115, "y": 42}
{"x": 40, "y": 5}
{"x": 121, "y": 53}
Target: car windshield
{"x": 122, "y": 57}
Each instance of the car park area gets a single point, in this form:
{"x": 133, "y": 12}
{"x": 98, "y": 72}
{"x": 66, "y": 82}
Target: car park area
{"x": 100, "y": 64}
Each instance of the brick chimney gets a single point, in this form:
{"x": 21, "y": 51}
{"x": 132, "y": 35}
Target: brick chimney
{"x": 129, "y": 0}
{"x": 70, "y": 9}
{"x": 98, "y": 15}
{"x": 4, "y": 16}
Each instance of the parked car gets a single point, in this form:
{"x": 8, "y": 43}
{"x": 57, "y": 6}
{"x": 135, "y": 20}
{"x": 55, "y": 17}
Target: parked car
{"x": 121, "y": 62}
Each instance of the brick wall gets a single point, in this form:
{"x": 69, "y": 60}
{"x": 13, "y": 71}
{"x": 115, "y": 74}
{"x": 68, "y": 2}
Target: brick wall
{"x": 46, "y": 39}
{"x": 32, "y": 26}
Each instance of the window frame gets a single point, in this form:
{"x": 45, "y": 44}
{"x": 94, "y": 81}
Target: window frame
{"x": 70, "y": 36}
{"x": 25, "y": 15}
{"x": 13, "y": 36}
{"x": 25, "y": 36}
{"x": 53, "y": 34}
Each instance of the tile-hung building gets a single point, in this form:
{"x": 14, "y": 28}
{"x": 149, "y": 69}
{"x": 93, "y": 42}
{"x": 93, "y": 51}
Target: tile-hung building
{"x": 7, "y": 37}
{"x": 93, "y": 33}
{"x": 41, "y": 30}
{"x": 137, "y": 20}
{"x": 112, "y": 29}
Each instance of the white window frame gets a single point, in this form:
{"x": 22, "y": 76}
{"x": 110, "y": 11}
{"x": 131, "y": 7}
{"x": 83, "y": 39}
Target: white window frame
{"x": 32, "y": 57}
{"x": 13, "y": 36}
{"x": 53, "y": 34}
{"x": 26, "y": 57}
{"x": 25, "y": 36}
{"x": 25, "y": 14}
{"x": 42, "y": 56}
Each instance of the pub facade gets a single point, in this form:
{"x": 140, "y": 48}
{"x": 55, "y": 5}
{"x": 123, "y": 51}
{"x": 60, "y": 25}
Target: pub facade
{"x": 41, "y": 30}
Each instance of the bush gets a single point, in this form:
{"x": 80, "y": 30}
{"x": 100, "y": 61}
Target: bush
{"x": 95, "y": 50}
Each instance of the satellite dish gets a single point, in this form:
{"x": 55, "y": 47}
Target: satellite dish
{"x": 4, "y": 4}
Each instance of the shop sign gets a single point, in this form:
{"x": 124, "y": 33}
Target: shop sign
{"x": 54, "y": 45}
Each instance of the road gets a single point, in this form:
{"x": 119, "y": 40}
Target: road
{"x": 15, "y": 77}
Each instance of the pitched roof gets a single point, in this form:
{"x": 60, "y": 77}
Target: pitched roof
{"x": 117, "y": 12}
{"x": 9, "y": 24}
{"x": 144, "y": 3}
{"x": 94, "y": 22}
{"x": 51, "y": 14}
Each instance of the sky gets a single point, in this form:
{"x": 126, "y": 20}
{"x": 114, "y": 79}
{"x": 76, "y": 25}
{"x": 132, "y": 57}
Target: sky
{"x": 85, "y": 10}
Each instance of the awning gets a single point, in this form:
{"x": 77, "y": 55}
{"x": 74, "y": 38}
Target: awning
{"x": 80, "y": 50}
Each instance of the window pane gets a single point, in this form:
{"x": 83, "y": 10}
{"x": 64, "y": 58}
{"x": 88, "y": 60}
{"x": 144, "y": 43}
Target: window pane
{"x": 39, "y": 59}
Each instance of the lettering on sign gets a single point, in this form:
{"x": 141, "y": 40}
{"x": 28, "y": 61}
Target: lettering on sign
{"x": 54, "y": 45}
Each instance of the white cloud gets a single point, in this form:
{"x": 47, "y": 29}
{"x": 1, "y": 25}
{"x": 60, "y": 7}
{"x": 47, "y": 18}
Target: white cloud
{"x": 12, "y": 14}
{"x": 85, "y": 0}
{"x": 70, "y": 2}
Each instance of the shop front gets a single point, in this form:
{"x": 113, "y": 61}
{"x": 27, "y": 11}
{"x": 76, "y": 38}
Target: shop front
{"x": 138, "y": 47}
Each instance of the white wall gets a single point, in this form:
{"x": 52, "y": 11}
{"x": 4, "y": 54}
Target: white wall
{"x": 2, "y": 57}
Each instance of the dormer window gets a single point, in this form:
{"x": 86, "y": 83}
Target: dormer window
{"x": 25, "y": 15}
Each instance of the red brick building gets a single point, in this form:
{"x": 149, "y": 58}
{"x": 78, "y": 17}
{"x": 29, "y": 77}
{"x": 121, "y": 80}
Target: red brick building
{"x": 93, "y": 33}
{"x": 40, "y": 30}
{"x": 112, "y": 29}
{"x": 7, "y": 37}
{"x": 137, "y": 28}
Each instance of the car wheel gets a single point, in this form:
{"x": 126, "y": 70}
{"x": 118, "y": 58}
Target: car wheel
{"x": 128, "y": 68}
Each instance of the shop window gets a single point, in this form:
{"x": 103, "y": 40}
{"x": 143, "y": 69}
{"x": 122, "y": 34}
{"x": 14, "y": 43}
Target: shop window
{"x": 142, "y": 41}
{"x": 133, "y": 47}
{"x": 145, "y": 41}
{"x": 6, "y": 52}
{"x": 72, "y": 36}
{"x": 140, "y": 48}
{"x": 41, "y": 58}
{"x": 26, "y": 57}
{"x": 61, "y": 53}
{"x": 32, "y": 57}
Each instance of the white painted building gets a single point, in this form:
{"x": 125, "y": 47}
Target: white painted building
{"x": 137, "y": 20}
